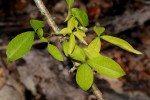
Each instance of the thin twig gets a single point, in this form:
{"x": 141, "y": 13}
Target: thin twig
{"x": 45, "y": 12}
{"x": 97, "y": 92}
{"x": 72, "y": 69}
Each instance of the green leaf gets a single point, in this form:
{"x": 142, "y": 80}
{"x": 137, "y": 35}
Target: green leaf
{"x": 44, "y": 39}
{"x": 69, "y": 15}
{"x": 72, "y": 43}
{"x": 65, "y": 31}
{"x": 120, "y": 43}
{"x": 81, "y": 33}
{"x": 36, "y": 24}
{"x": 76, "y": 24}
{"x": 78, "y": 54}
{"x": 54, "y": 51}
{"x": 19, "y": 45}
{"x": 99, "y": 30}
{"x": 84, "y": 77}
{"x": 71, "y": 23}
{"x": 81, "y": 16}
{"x": 80, "y": 37}
{"x": 70, "y": 2}
{"x": 40, "y": 32}
{"x": 66, "y": 48}
{"x": 95, "y": 45}
{"x": 106, "y": 66}
{"x": 91, "y": 53}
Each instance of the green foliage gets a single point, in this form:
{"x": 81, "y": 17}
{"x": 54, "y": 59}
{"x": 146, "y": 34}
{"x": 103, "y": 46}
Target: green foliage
{"x": 95, "y": 45}
{"x": 66, "y": 48}
{"x": 20, "y": 45}
{"x": 72, "y": 23}
{"x": 121, "y": 43}
{"x": 76, "y": 24}
{"x": 65, "y": 31}
{"x": 72, "y": 43}
{"x": 44, "y": 39}
{"x": 84, "y": 77}
{"x": 54, "y": 51}
{"x": 40, "y": 32}
{"x": 36, "y": 24}
{"x": 98, "y": 30}
{"x": 106, "y": 67}
{"x": 80, "y": 37}
{"x": 78, "y": 54}
{"x": 88, "y": 58}
{"x": 82, "y": 33}
{"x": 69, "y": 15}
{"x": 91, "y": 53}
{"x": 81, "y": 16}
{"x": 70, "y": 2}
{"x": 84, "y": 29}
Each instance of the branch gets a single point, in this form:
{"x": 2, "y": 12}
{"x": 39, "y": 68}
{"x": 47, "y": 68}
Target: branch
{"x": 45, "y": 12}
{"x": 97, "y": 92}
{"x": 52, "y": 24}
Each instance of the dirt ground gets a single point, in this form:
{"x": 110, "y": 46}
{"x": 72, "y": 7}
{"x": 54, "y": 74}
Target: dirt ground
{"x": 38, "y": 76}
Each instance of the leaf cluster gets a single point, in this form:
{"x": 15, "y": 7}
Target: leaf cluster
{"x": 89, "y": 57}
{"x": 22, "y": 43}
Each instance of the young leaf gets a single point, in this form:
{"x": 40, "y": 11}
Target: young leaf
{"x": 71, "y": 23}
{"x": 80, "y": 37}
{"x": 69, "y": 15}
{"x": 91, "y": 53}
{"x": 78, "y": 54}
{"x": 76, "y": 23}
{"x": 44, "y": 39}
{"x": 95, "y": 45}
{"x": 19, "y": 45}
{"x": 54, "y": 51}
{"x": 65, "y": 31}
{"x": 106, "y": 66}
{"x": 99, "y": 30}
{"x": 72, "y": 43}
{"x": 121, "y": 43}
{"x": 66, "y": 47}
{"x": 81, "y": 33}
{"x": 70, "y": 2}
{"x": 84, "y": 77}
{"x": 36, "y": 24}
{"x": 81, "y": 16}
{"x": 40, "y": 32}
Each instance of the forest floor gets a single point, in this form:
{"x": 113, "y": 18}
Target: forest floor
{"x": 38, "y": 76}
